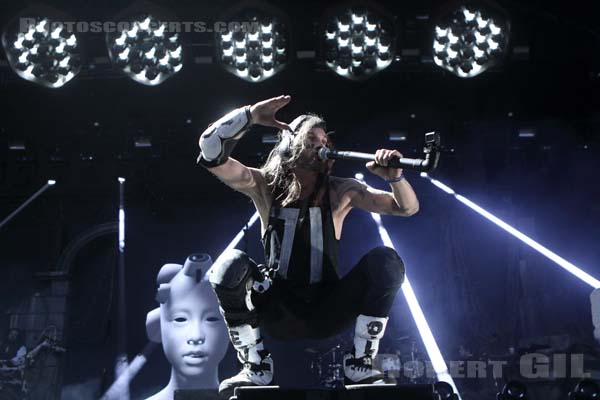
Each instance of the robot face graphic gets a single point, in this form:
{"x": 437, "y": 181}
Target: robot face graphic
{"x": 193, "y": 333}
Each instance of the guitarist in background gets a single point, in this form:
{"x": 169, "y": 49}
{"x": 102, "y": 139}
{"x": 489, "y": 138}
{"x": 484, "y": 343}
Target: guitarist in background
{"x": 13, "y": 350}
{"x": 12, "y": 359}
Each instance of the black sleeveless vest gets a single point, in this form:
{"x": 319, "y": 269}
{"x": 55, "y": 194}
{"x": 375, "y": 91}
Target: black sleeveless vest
{"x": 300, "y": 242}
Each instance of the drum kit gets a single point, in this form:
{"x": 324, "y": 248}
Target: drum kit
{"x": 403, "y": 364}
{"x": 327, "y": 367}
{"x": 13, "y": 373}
{"x": 11, "y": 377}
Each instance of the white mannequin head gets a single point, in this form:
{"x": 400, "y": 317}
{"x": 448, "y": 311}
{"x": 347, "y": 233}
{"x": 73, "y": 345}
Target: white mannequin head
{"x": 188, "y": 324}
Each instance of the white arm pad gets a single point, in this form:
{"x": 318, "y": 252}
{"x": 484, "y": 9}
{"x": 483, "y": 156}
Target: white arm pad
{"x": 219, "y": 139}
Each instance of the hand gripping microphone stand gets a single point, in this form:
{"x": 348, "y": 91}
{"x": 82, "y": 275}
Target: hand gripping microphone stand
{"x": 431, "y": 151}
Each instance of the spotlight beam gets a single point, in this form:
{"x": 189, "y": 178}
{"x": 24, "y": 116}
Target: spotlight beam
{"x": 433, "y": 351}
{"x": 234, "y": 242}
{"x": 578, "y": 272}
{"x": 240, "y": 234}
{"x": 28, "y": 201}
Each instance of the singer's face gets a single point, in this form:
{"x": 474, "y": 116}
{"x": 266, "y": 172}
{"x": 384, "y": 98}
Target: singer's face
{"x": 309, "y": 159}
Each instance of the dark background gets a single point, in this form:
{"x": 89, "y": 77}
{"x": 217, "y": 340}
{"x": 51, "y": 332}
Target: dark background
{"x": 477, "y": 285}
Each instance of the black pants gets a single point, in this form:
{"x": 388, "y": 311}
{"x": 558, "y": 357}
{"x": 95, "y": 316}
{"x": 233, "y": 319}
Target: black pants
{"x": 289, "y": 312}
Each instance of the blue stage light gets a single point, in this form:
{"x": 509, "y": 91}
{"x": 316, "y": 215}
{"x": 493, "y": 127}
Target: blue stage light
{"x": 433, "y": 351}
{"x": 578, "y": 272}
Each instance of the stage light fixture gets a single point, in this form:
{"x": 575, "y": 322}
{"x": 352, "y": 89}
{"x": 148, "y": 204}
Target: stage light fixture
{"x": 147, "y": 51}
{"x": 142, "y": 142}
{"x": 357, "y": 42}
{"x": 586, "y": 389}
{"x": 513, "y": 390}
{"x": 576, "y": 271}
{"x": 17, "y": 145}
{"x": 469, "y": 39}
{"x": 42, "y": 50}
{"x": 397, "y": 137}
{"x": 526, "y": 133}
{"x": 257, "y": 48}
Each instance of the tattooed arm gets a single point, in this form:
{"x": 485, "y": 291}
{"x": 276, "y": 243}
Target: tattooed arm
{"x": 349, "y": 193}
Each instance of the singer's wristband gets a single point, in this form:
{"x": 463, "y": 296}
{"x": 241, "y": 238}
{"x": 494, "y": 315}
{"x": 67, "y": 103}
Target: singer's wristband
{"x": 394, "y": 180}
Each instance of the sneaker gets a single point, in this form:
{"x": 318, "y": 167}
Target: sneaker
{"x": 251, "y": 375}
{"x": 358, "y": 371}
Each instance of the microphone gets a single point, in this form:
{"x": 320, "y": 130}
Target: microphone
{"x": 428, "y": 164}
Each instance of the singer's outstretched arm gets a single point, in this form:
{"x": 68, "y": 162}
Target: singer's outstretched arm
{"x": 351, "y": 193}
{"x": 219, "y": 139}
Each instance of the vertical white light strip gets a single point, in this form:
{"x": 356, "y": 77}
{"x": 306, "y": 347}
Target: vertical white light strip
{"x": 121, "y": 216}
{"x": 578, "y": 272}
{"x": 121, "y": 229}
{"x": 122, "y": 361}
{"x": 433, "y": 351}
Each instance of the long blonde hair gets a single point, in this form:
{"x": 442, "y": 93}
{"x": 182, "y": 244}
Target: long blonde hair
{"x": 277, "y": 170}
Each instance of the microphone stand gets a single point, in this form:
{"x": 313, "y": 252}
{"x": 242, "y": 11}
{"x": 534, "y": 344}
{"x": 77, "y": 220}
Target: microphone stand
{"x": 431, "y": 151}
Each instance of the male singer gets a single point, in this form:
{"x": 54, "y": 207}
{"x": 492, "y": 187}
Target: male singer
{"x": 298, "y": 292}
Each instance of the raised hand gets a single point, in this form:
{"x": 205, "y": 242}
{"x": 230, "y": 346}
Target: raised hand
{"x": 263, "y": 112}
